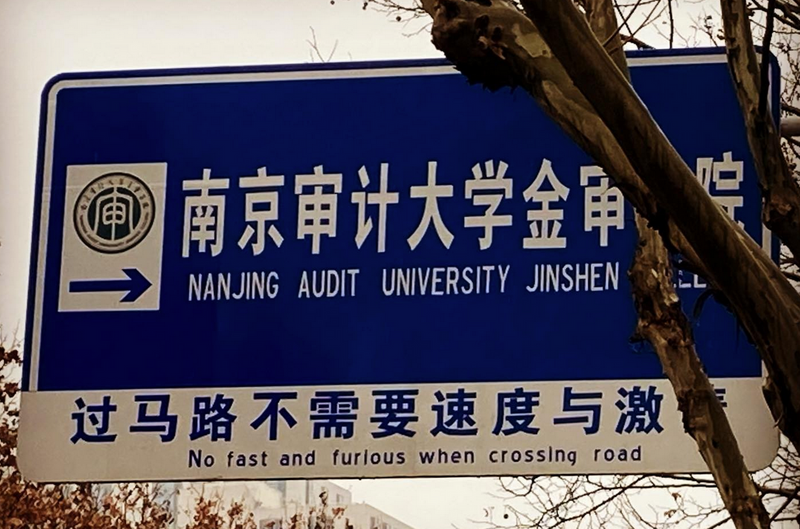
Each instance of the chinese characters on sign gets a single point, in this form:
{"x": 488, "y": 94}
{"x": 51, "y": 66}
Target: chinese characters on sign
{"x": 333, "y": 414}
{"x": 317, "y": 196}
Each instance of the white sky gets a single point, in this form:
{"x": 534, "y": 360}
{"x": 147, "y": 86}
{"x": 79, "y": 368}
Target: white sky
{"x": 41, "y": 38}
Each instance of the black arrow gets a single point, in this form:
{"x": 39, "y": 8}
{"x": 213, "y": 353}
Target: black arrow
{"x": 135, "y": 285}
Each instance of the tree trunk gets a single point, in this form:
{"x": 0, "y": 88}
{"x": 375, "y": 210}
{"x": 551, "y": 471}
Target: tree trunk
{"x": 663, "y": 324}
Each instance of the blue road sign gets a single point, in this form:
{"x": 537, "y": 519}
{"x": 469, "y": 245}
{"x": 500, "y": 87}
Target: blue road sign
{"x": 324, "y": 250}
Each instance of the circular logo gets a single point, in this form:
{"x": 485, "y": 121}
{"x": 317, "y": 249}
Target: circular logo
{"x": 114, "y": 212}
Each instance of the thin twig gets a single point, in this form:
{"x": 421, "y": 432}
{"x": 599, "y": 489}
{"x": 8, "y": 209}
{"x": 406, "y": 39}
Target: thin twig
{"x": 785, "y": 504}
{"x": 671, "y": 24}
{"x": 624, "y": 23}
{"x": 762, "y": 97}
{"x": 789, "y": 108}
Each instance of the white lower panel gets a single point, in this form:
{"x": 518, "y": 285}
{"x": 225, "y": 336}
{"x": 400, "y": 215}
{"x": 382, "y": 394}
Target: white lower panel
{"x": 50, "y": 449}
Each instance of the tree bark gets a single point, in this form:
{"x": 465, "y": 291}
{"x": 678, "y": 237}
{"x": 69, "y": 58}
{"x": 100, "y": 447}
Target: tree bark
{"x": 778, "y": 187}
{"x": 663, "y": 323}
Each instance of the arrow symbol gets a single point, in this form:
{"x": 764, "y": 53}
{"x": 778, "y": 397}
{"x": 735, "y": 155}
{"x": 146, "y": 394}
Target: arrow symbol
{"x": 135, "y": 285}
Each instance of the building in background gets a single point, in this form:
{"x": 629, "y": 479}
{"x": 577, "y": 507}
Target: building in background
{"x": 275, "y": 503}
{"x": 365, "y": 516}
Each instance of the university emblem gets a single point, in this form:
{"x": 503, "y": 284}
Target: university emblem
{"x": 114, "y": 212}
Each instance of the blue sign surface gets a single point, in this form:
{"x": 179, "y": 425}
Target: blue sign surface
{"x": 381, "y": 223}
{"x": 359, "y": 270}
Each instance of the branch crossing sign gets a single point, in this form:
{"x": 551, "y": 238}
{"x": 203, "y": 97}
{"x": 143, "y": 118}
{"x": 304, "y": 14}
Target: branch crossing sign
{"x": 359, "y": 270}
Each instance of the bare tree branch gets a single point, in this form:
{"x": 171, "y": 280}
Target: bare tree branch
{"x": 764, "y": 94}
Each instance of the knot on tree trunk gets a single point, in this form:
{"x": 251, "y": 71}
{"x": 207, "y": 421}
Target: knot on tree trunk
{"x": 694, "y": 404}
{"x": 651, "y": 280}
{"x": 778, "y": 210}
{"x": 469, "y": 36}
{"x": 745, "y": 507}
{"x": 780, "y": 215}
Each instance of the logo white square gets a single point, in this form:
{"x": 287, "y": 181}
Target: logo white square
{"x": 113, "y": 237}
